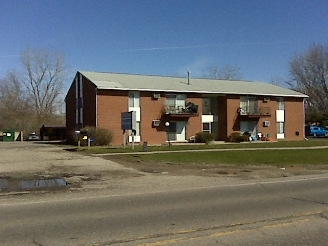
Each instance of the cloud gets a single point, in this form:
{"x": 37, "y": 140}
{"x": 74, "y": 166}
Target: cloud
{"x": 203, "y": 46}
{"x": 6, "y": 56}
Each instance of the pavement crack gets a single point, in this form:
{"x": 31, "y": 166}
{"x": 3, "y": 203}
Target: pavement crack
{"x": 311, "y": 201}
{"x": 246, "y": 224}
{"x": 324, "y": 215}
{"x": 37, "y": 243}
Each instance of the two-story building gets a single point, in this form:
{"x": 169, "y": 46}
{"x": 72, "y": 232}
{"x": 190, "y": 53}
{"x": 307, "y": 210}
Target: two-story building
{"x": 176, "y": 108}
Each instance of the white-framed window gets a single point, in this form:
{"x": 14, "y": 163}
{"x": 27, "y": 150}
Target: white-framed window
{"x": 175, "y": 103}
{"x": 280, "y": 127}
{"x": 206, "y": 105}
{"x": 248, "y": 104}
{"x": 207, "y": 127}
{"x": 280, "y": 117}
{"x": 176, "y": 100}
{"x": 134, "y": 98}
{"x": 134, "y": 105}
{"x": 280, "y": 103}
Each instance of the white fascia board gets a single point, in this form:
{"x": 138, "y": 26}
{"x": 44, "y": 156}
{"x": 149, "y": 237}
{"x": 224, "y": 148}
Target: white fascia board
{"x": 203, "y": 92}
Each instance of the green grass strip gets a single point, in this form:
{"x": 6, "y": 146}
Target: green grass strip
{"x": 243, "y": 157}
{"x": 264, "y": 145}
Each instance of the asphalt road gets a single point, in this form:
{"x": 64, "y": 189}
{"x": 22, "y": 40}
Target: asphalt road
{"x": 275, "y": 212}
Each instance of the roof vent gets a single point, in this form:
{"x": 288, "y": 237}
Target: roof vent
{"x": 188, "y": 77}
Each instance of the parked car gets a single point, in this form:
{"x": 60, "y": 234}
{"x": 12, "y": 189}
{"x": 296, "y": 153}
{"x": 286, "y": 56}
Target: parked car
{"x": 316, "y": 131}
{"x": 33, "y": 137}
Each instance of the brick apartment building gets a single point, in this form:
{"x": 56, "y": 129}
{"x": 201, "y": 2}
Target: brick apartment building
{"x": 189, "y": 106}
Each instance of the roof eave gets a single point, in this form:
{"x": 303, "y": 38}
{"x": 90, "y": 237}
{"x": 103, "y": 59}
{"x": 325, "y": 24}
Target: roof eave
{"x": 205, "y": 92}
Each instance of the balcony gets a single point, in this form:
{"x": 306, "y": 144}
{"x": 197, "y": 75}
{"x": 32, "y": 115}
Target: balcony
{"x": 255, "y": 111}
{"x": 181, "y": 111}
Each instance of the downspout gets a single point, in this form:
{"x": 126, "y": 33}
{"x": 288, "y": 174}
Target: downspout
{"x": 96, "y": 90}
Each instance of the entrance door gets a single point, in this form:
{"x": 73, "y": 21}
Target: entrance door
{"x": 249, "y": 126}
{"x": 177, "y": 131}
{"x": 181, "y": 131}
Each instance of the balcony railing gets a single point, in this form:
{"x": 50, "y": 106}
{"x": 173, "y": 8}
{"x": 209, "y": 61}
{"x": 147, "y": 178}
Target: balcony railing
{"x": 188, "y": 110}
{"x": 255, "y": 111}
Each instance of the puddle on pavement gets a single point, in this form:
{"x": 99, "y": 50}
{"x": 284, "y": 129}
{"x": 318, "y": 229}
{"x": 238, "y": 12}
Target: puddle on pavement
{"x": 30, "y": 184}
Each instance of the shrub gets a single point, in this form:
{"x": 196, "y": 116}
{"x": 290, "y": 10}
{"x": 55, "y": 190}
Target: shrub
{"x": 238, "y": 137}
{"x": 98, "y": 136}
{"x": 102, "y": 137}
{"x": 204, "y": 137}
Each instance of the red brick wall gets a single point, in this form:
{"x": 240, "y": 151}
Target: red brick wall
{"x": 151, "y": 109}
{"x": 294, "y": 118}
{"x": 233, "y": 119}
{"x": 222, "y": 115}
{"x": 110, "y": 106}
{"x": 194, "y": 124}
{"x": 89, "y": 103}
{"x": 70, "y": 110}
{"x": 271, "y": 130}
{"x": 112, "y": 103}
{"x": 89, "y": 106}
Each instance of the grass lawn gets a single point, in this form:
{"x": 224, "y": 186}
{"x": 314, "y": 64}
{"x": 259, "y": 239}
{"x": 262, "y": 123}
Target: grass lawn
{"x": 256, "y": 154}
{"x": 243, "y": 157}
{"x": 138, "y": 148}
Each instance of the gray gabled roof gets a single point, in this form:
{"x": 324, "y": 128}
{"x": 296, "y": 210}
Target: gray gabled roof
{"x": 116, "y": 81}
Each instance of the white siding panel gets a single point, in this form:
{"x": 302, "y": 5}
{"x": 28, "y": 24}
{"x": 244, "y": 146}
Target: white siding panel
{"x": 137, "y": 110}
{"x": 280, "y": 115}
{"x": 207, "y": 118}
{"x": 136, "y": 139}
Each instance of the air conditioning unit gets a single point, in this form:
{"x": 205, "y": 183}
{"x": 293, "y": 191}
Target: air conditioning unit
{"x": 266, "y": 99}
{"x": 156, "y": 123}
{"x": 266, "y": 123}
{"x": 156, "y": 95}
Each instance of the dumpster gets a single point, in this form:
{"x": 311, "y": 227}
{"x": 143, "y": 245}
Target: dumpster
{"x": 8, "y": 135}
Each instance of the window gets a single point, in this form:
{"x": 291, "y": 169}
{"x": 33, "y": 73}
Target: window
{"x": 175, "y": 103}
{"x": 207, "y": 106}
{"x": 280, "y": 103}
{"x": 134, "y": 99}
{"x": 207, "y": 127}
{"x": 249, "y": 104}
{"x": 134, "y": 105}
{"x": 280, "y": 127}
{"x": 176, "y": 100}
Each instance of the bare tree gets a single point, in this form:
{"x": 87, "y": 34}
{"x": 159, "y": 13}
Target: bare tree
{"x": 309, "y": 75}
{"x": 278, "y": 81}
{"x": 226, "y": 72}
{"x": 15, "y": 110}
{"x": 44, "y": 73}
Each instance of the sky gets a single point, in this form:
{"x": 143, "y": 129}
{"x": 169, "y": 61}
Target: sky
{"x": 164, "y": 37}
